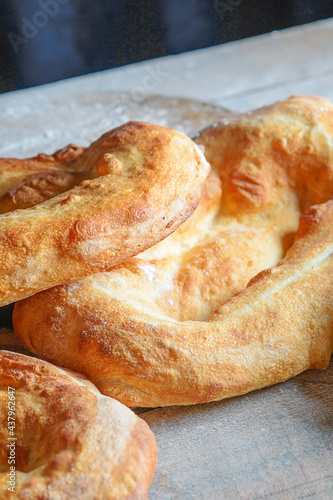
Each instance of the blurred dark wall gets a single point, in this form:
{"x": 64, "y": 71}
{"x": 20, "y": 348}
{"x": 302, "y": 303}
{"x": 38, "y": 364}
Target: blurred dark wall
{"x": 47, "y": 40}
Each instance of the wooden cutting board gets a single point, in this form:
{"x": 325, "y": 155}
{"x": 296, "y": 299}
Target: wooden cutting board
{"x": 276, "y": 443}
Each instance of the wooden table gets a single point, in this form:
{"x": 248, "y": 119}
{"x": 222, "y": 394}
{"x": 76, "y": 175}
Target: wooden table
{"x": 273, "y": 443}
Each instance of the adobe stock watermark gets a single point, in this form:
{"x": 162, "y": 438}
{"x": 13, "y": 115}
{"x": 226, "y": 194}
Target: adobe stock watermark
{"x": 223, "y": 6}
{"x": 31, "y": 27}
{"x": 152, "y": 79}
{"x": 11, "y": 444}
{"x": 144, "y": 88}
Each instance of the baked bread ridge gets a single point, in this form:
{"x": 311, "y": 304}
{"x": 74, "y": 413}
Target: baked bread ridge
{"x": 279, "y": 326}
{"x": 71, "y": 442}
{"x": 144, "y": 180}
{"x": 123, "y": 329}
{"x": 24, "y": 183}
{"x": 262, "y": 153}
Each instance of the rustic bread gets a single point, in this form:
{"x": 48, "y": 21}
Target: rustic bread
{"x": 25, "y": 183}
{"x": 67, "y": 440}
{"x": 194, "y": 319}
{"x": 143, "y": 182}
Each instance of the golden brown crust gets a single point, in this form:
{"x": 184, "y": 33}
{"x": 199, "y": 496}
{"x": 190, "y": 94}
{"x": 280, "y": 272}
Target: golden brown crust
{"x": 14, "y": 172}
{"x": 71, "y": 442}
{"x": 36, "y": 188}
{"x": 176, "y": 324}
{"x": 144, "y": 181}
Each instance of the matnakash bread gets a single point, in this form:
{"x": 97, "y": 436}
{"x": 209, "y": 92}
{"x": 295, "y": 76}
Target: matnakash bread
{"x": 66, "y": 441}
{"x": 238, "y": 298}
{"x": 132, "y": 188}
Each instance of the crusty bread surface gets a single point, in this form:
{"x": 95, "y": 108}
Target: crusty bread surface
{"x": 132, "y": 188}
{"x": 70, "y": 442}
{"x": 238, "y": 298}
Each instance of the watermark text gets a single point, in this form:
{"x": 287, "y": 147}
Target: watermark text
{"x": 11, "y": 445}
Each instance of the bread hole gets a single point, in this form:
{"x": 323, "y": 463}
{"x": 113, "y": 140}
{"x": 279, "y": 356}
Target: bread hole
{"x": 6, "y": 313}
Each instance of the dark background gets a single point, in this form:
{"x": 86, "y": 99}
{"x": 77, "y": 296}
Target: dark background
{"x": 46, "y": 40}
